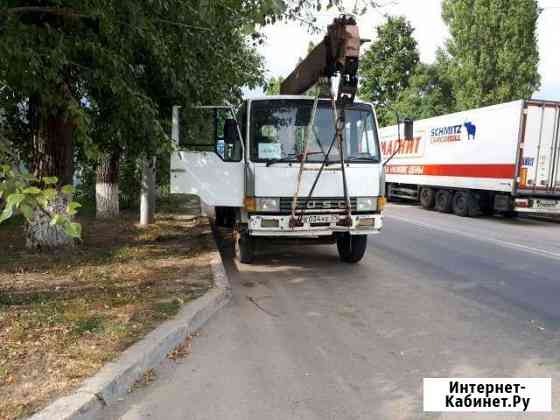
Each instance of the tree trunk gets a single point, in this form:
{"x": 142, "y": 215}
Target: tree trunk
{"x": 148, "y": 193}
{"x": 39, "y": 233}
{"x": 53, "y": 144}
{"x": 53, "y": 155}
{"x": 107, "y": 186}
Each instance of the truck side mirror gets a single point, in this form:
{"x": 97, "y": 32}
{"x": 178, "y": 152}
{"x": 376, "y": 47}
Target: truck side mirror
{"x": 408, "y": 129}
{"x": 231, "y": 136}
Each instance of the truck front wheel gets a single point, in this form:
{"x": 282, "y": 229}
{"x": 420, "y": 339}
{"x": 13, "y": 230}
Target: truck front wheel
{"x": 244, "y": 247}
{"x": 351, "y": 248}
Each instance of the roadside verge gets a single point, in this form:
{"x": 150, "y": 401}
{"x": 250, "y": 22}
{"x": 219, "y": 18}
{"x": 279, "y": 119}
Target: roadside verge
{"x": 116, "y": 378}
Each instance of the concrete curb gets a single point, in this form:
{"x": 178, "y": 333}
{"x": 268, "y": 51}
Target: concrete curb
{"x": 114, "y": 379}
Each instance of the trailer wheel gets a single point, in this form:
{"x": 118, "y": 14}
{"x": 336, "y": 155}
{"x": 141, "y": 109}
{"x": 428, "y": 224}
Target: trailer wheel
{"x": 244, "y": 247}
{"x": 351, "y": 248}
{"x": 444, "y": 201}
{"x": 462, "y": 202}
{"x": 427, "y": 198}
{"x": 486, "y": 204}
{"x": 389, "y": 192}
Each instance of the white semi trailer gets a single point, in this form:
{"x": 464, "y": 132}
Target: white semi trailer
{"x": 503, "y": 158}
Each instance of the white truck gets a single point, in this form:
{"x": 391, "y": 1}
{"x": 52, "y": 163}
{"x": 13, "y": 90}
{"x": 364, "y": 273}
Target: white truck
{"x": 292, "y": 166}
{"x": 503, "y": 158}
{"x": 251, "y": 173}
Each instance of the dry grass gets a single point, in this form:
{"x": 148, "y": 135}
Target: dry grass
{"x": 63, "y": 315}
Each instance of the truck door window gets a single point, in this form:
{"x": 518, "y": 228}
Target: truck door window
{"x": 204, "y": 129}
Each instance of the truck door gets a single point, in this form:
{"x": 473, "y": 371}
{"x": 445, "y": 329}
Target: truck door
{"x": 210, "y": 158}
{"x": 540, "y": 172}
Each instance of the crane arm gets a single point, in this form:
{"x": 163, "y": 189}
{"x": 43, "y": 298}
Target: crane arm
{"x": 337, "y": 54}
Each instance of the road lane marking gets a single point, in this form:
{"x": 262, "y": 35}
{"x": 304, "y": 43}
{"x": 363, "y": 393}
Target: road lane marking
{"x": 512, "y": 245}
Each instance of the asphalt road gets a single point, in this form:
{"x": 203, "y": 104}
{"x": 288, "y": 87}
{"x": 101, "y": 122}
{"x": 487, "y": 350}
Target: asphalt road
{"x": 307, "y": 337}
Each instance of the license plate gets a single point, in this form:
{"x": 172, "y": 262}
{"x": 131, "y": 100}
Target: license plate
{"x": 319, "y": 218}
{"x": 547, "y": 204}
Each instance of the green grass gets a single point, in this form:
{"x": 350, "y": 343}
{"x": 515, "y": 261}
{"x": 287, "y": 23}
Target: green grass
{"x": 168, "y": 309}
{"x": 92, "y": 325}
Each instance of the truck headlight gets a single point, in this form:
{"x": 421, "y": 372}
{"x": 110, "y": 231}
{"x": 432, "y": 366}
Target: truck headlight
{"x": 366, "y": 204}
{"x": 268, "y": 204}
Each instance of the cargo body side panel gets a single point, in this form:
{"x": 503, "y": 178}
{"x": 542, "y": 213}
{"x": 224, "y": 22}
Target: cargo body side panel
{"x": 474, "y": 149}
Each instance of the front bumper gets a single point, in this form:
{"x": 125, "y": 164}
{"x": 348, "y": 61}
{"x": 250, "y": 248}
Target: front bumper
{"x": 362, "y": 224}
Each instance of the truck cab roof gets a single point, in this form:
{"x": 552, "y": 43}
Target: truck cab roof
{"x": 295, "y": 97}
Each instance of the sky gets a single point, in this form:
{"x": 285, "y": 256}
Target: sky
{"x": 286, "y": 43}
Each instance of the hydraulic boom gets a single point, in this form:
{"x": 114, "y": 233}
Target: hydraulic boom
{"x": 336, "y": 58}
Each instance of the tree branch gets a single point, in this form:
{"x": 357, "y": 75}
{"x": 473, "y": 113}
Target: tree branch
{"x": 48, "y": 10}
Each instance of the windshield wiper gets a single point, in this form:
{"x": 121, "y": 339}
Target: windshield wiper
{"x": 359, "y": 159}
{"x": 273, "y": 161}
{"x": 291, "y": 155}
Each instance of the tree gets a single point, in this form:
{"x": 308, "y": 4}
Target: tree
{"x": 493, "y": 50}
{"x": 273, "y": 86}
{"x": 387, "y": 66}
{"x": 107, "y": 184}
{"x": 429, "y": 93}
{"x": 104, "y": 75}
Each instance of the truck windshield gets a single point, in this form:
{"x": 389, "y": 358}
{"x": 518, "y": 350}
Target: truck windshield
{"x": 279, "y": 129}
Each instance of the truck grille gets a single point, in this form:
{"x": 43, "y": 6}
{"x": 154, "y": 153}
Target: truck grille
{"x": 317, "y": 205}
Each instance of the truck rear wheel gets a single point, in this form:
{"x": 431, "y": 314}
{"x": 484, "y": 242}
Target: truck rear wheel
{"x": 444, "y": 201}
{"x": 462, "y": 203}
{"x": 427, "y": 199}
{"x": 244, "y": 247}
{"x": 351, "y": 248}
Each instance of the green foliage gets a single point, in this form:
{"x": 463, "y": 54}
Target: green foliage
{"x": 492, "y": 51}
{"x": 20, "y": 196}
{"x": 429, "y": 93}
{"x": 387, "y": 66}
{"x": 129, "y": 183}
{"x": 273, "y": 86}
{"x": 115, "y": 68}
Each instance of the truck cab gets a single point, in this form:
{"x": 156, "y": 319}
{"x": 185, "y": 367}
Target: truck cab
{"x": 251, "y": 173}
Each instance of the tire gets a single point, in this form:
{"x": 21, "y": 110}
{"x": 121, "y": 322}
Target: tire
{"x": 444, "y": 201}
{"x": 389, "y": 193}
{"x": 487, "y": 204}
{"x": 224, "y": 217}
{"x": 219, "y": 217}
{"x": 244, "y": 247}
{"x": 510, "y": 214}
{"x": 351, "y": 248}
{"x": 462, "y": 202}
{"x": 427, "y": 198}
